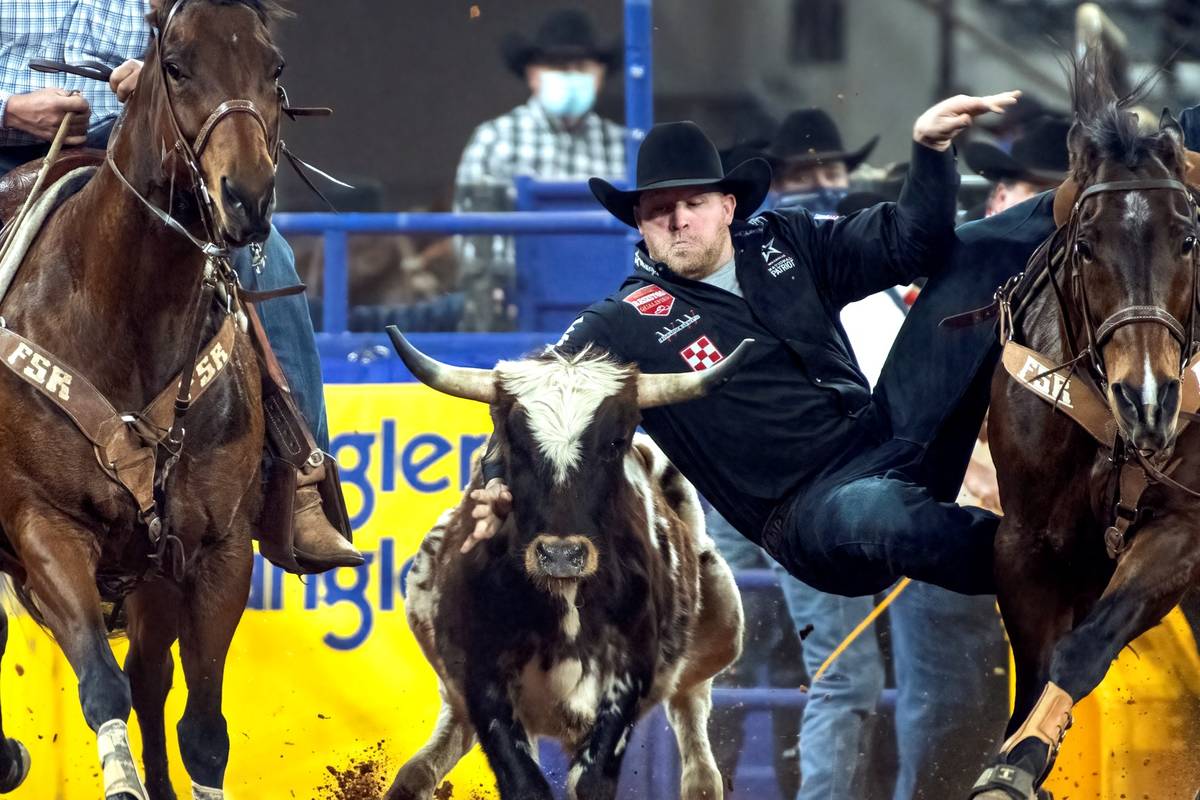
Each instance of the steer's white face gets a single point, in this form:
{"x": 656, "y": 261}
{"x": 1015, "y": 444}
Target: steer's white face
{"x": 560, "y": 398}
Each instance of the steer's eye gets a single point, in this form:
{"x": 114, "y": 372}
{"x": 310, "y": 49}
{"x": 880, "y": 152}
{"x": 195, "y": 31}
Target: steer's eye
{"x": 1083, "y": 250}
{"x": 618, "y": 444}
{"x": 1189, "y": 244}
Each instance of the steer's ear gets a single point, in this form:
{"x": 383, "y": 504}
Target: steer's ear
{"x": 660, "y": 390}
{"x": 464, "y": 382}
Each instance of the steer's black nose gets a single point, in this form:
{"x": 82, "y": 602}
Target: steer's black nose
{"x": 561, "y": 558}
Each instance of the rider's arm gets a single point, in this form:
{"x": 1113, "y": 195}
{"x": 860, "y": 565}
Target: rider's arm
{"x": 894, "y": 243}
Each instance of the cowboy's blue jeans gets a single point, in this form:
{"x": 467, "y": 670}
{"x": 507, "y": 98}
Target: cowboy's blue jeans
{"x": 289, "y": 329}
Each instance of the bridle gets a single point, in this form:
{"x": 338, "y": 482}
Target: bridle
{"x": 190, "y": 153}
{"x": 1096, "y": 336}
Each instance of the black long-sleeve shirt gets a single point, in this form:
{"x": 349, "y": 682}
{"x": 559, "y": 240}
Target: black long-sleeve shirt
{"x": 799, "y": 403}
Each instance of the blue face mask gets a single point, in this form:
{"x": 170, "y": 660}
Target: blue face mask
{"x": 566, "y": 94}
{"x": 818, "y": 201}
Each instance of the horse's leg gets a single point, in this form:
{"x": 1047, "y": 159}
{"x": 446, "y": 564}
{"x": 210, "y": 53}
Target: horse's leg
{"x": 452, "y": 737}
{"x": 59, "y": 562}
{"x": 1037, "y": 613}
{"x": 214, "y": 597}
{"x": 14, "y": 758}
{"x": 152, "y": 611}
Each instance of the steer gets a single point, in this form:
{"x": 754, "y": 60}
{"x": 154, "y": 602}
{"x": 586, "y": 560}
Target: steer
{"x": 600, "y": 596}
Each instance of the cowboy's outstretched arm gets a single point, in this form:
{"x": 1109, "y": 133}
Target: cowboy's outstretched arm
{"x": 893, "y": 243}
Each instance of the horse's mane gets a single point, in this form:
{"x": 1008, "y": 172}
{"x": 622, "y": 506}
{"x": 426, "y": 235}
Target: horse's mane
{"x": 1103, "y": 119}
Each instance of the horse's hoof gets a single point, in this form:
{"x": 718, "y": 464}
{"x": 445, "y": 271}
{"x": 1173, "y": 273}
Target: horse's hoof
{"x": 19, "y": 768}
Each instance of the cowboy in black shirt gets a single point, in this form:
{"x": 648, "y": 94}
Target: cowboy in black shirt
{"x": 795, "y": 450}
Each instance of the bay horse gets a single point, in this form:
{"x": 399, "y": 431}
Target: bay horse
{"x": 1096, "y": 461}
{"x": 117, "y": 284}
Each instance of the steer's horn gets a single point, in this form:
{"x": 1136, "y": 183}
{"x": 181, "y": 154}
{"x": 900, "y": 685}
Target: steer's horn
{"x": 464, "y": 382}
{"x": 664, "y": 389}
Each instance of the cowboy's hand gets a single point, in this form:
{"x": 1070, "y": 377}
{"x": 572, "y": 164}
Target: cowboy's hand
{"x": 40, "y": 113}
{"x": 937, "y": 126}
{"x": 124, "y": 79}
{"x": 492, "y": 504}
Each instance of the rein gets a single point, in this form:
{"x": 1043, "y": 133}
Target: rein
{"x": 1080, "y": 395}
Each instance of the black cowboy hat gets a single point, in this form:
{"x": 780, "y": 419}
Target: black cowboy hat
{"x": 678, "y": 154}
{"x": 565, "y": 35}
{"x": 1038, "y": 156}
{"x": 811, "y": 136}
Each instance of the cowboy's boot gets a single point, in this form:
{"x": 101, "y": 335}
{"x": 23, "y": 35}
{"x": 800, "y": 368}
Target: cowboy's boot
{"x": 318, "y": 546}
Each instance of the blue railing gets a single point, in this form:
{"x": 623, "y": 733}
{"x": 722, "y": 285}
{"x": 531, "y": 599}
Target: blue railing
{"x": 336, "y": 228}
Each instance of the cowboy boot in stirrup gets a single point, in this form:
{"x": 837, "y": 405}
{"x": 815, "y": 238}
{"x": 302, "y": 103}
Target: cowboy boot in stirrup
{"x": 318, "y": 546}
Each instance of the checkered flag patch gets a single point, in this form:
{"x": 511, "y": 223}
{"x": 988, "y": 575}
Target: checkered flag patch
{"x": 701, "y": 354}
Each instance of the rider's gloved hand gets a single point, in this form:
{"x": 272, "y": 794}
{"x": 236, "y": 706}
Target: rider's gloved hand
{"x": 492, "y": 506}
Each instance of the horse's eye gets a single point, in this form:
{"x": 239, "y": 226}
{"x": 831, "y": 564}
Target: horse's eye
{"x": 173, "y": 70}
{"x": 278, "y": 71}
{"x": 1083, "y": 250}
{"x": 1189, "y": 244}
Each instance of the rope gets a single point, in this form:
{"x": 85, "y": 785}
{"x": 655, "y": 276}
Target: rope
{"x": 862, "y": 626}
{"x": 47, "y": 162}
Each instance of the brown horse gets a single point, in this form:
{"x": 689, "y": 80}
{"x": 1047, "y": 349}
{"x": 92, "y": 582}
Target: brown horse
{"x": 1100, "y": 537}
{"x": 111, "y": 290}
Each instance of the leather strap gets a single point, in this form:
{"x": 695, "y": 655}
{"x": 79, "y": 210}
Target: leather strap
{"x": 1073, "y": 394}
{"x": 1131, "y": 483}
{"x": 270, "y": 294}
{"x": 125, "y": 444}
{"x": 1133, "y": 314}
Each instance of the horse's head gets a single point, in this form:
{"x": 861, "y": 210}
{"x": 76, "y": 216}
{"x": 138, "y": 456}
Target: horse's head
{"x": 219, "y": 68}
{"x": 1132, "y": 259}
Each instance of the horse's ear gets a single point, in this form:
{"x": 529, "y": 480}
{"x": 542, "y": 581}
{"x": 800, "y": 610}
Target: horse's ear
{"x": 1169, "y": 125}
{"x": 1082, "y": 150}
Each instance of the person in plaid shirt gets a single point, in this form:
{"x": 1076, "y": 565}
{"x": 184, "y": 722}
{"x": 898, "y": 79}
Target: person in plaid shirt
{"x": 554, "y": 136}
{"x": 33, "y": 104}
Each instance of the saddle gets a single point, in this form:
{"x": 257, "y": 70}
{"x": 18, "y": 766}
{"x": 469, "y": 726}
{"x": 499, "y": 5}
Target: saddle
{"x": 16, "y": 185}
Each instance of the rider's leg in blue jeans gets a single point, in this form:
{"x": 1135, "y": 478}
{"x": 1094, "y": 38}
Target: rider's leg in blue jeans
{"x": 289, "y": 329}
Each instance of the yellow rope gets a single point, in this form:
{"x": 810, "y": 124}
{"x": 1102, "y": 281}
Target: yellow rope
{"x": 862, "y": 626}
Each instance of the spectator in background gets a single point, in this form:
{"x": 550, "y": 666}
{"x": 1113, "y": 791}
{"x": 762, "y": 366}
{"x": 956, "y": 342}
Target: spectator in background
{"x": 555, "y": 135}
{"x": 809, "y": 166}
{"x": 1037, "y": 161}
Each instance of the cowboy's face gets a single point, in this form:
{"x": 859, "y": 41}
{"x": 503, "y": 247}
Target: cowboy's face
{"x": 687, "y": 228}
{"x": 808, "y": 177}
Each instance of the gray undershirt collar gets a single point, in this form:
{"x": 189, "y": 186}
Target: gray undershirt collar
{"x": 726, "y": 278}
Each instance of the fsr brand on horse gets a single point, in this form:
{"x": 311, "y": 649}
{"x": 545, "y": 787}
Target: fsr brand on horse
{"x": 126, "y": 300}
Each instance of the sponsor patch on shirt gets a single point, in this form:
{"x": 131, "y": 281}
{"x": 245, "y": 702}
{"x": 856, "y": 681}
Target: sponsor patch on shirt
{"x": 667, "y": 332}
{"x": 701, "y": 354}
{"x": 651, "y": 301}
{"x": 777, "y": 261}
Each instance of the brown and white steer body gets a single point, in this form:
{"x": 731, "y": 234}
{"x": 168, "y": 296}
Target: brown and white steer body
{"x": 519, "y": 655}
